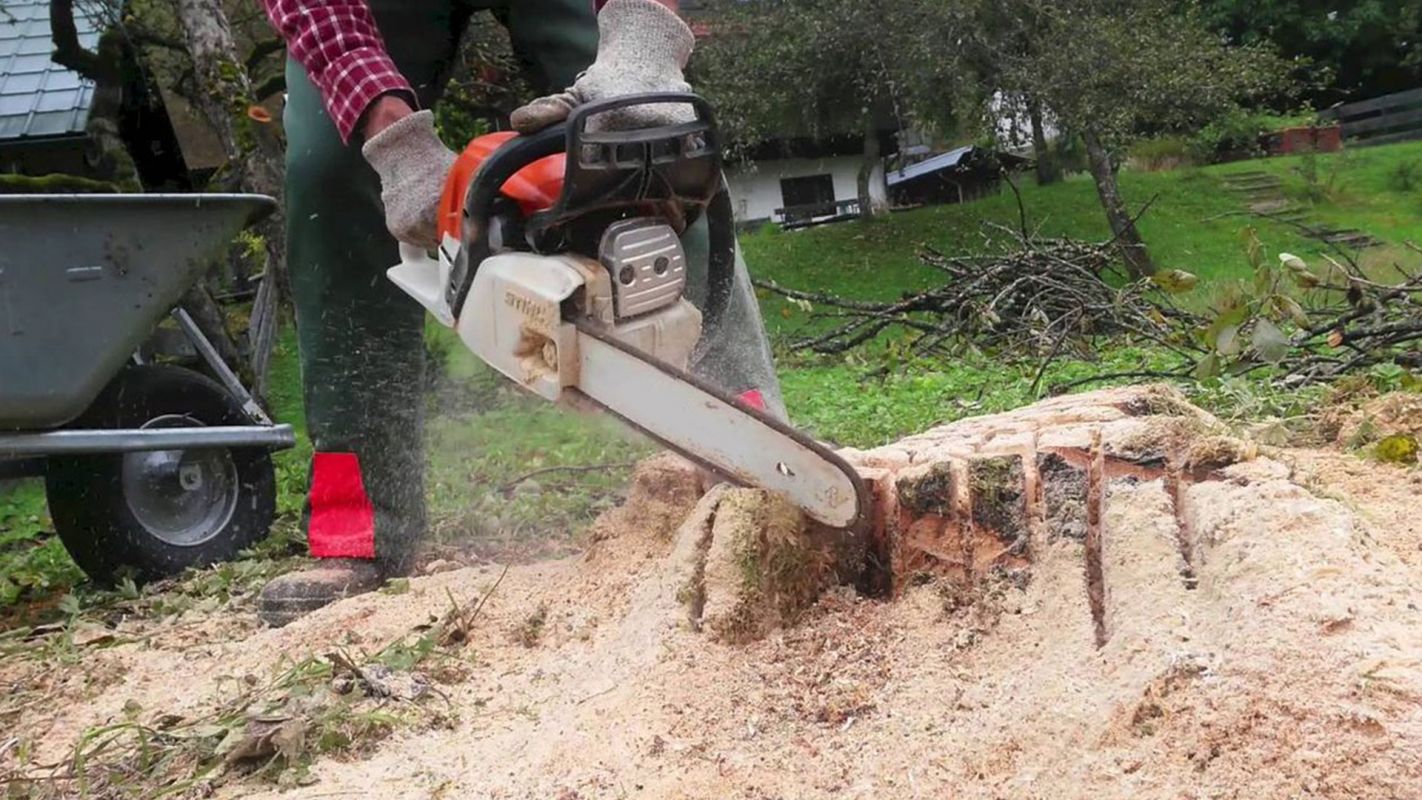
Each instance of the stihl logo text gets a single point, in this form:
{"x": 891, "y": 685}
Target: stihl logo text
{"x": 540, "y": 315}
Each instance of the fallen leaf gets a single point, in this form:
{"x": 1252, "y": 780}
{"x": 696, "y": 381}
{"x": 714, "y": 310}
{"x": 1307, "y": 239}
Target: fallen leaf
{"x": 1268, "y": 341}
{"x": 1290, "y": 307}
{"x": 259, "y": 114}
{"x": 1175, "y": 281}
{"x": 1227, "y": 343}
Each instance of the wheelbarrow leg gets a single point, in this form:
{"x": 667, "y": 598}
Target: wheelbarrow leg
{"x": 224, "y": 374}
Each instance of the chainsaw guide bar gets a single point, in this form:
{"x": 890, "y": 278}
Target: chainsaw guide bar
{"x": 739, "y": 443}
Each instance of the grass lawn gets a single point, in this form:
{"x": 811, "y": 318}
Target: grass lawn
{"x": 1374, "y": 189}
{"x": 483, "y": 436}
{"x": 1194, "y": 224}
{"x": 498, "y": 459}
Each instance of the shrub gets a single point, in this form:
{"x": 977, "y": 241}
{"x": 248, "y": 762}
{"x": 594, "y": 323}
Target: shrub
{"x": 1232, "y": 137}
{"x": 1161, "y": 153}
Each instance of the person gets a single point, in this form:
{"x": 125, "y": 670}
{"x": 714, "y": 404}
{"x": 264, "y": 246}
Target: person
{"x": 364, "y": 167}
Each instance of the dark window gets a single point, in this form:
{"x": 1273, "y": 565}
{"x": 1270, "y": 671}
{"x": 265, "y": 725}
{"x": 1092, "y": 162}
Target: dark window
{"x": 811, "y": 190}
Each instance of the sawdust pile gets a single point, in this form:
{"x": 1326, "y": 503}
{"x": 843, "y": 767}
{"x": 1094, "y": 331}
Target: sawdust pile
{"x": 1110, "y": 599}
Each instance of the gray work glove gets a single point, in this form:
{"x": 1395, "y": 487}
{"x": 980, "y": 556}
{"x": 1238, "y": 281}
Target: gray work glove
{"x": 642, "y": 48}
{"x": 412, "y": 163}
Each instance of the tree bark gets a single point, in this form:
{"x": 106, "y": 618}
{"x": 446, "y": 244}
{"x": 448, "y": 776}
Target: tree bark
{"x": 868, "y": 207}
{"x": 1048, "y": 170}
{"x": 224, "y": 96}
{"x": 1123, "y": 228}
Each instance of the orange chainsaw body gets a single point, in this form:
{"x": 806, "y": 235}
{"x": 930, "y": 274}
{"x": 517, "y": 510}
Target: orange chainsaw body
{"x": 535, "y": 188}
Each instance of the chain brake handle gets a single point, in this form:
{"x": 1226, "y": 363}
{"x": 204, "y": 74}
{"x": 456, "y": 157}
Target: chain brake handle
{"x": 608, "y": 174}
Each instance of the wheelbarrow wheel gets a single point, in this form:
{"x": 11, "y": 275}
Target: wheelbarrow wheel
{"x": 154, "y": 514}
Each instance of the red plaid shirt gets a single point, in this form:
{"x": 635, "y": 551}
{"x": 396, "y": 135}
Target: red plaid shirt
{"x": 340, "y": 47}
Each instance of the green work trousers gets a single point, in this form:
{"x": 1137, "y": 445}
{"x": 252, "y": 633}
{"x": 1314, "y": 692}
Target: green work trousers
{"x": 361, "y": 338}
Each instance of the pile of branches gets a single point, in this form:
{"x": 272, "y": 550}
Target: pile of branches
{"x": 1030, "y": 297}
{"x": 1352, "y": 320}
{"x": 1041, "y": 299}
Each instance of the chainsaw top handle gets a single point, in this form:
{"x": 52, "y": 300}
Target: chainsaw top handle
{"x": 609, "y": 175}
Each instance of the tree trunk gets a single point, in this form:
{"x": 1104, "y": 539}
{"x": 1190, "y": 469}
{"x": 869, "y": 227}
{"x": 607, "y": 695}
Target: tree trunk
{"x": 1123, "y": 228}
{"x": 868, "y": 207}
{"x": 225, "y": 97}
{"x": 1048, "y": 170}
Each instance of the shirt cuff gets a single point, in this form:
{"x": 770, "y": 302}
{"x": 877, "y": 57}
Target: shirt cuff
{"x": 353, "y": 82}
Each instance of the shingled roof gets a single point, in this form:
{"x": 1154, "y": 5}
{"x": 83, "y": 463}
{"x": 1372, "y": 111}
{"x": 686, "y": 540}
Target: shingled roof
{"x": 39, "y": 98}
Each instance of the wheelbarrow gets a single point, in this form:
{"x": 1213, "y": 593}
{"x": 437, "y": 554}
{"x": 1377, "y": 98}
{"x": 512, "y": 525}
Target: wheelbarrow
{"x": 149, "y": 468}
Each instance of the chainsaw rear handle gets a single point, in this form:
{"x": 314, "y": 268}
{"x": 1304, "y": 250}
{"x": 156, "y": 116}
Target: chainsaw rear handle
{"x": 608, "y": 171}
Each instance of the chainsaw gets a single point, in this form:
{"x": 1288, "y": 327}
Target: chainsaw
{"x": 560, "y": 265}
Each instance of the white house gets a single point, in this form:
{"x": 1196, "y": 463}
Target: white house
{"x": 820, "y": 188}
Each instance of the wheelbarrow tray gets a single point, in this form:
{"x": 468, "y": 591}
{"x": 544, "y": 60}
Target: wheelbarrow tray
{"x": 83, "y": 281}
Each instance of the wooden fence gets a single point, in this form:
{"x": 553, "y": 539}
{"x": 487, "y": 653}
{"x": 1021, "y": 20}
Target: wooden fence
{"x": 1390, "y": 118}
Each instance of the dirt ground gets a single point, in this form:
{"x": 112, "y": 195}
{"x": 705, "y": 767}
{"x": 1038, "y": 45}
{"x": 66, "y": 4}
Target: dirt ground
{"x": 1258, "y": 635}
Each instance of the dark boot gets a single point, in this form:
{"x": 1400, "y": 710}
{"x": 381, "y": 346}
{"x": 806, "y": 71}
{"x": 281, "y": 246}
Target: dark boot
{"x": 295, "y": 594}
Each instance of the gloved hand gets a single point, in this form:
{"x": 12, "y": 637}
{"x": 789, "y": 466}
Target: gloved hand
{"x": 412, "y": 163}
{"x": 642, "y": 47}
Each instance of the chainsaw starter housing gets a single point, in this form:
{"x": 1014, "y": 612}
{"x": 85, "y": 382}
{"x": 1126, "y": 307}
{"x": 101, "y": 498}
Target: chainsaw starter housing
{"x": 522, "y": 311}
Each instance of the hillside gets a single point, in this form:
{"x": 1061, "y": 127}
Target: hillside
{"x": 1193, "y": 224}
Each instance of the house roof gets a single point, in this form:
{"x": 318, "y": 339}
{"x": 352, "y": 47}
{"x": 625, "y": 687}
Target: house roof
{"x": 39, "y": 98}
{"x": 942, "y": 161}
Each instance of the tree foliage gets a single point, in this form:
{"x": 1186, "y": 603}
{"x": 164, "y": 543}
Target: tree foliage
{"x": 1125, "y": 69}
{"x": 816, "y": 68}
{"x": 1355, "y": 48}
{"x": 485, "y": 86}
{"x": 1114, "y": 71}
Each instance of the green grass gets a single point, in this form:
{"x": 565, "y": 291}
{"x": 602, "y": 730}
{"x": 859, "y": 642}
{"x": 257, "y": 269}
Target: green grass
{"x": 1193, "y": 224}
{"x": 840, "y": 403}
{"x": 33, "y": 563}
{"x": 1355, "y": 188}
{"x": 485, "y": 441}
